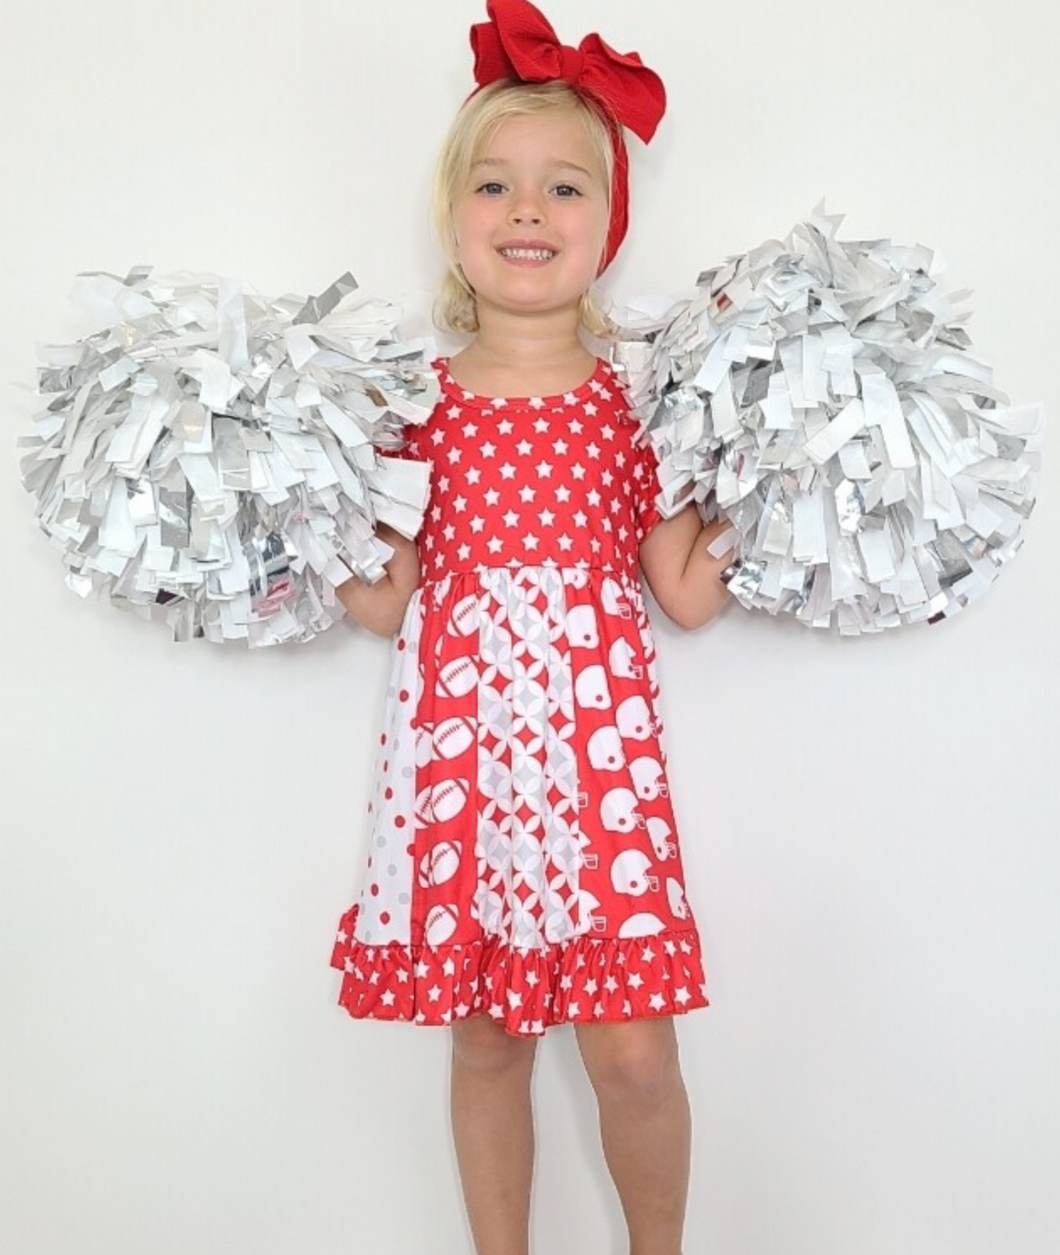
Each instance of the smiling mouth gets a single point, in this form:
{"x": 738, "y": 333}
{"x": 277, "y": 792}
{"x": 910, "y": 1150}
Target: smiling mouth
{"x": 527, "y": 256}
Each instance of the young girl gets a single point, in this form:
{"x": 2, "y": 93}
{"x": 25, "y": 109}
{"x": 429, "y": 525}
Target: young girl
{"x": 524, "y": 867}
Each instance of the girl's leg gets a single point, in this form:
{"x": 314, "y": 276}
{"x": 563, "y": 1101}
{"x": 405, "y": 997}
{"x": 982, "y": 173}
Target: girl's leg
{"x": 493, "y": 1131}
{"x": 645, "y": 1124}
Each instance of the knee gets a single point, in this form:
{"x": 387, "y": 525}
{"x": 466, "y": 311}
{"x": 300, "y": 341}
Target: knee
{"x": 639, "y": 1063}
{"x": 483, "y": 1046}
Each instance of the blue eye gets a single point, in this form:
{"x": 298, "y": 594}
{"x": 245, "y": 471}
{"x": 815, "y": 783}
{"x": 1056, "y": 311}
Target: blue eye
{"x": 569, "y": 186}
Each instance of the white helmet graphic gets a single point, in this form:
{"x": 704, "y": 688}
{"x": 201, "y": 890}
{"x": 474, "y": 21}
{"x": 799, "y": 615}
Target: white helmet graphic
{"x": 618, "y": 811}
{"x": 605, "y": 749}
{"x": 629, "y": 874}
{"x": 648, "y": 778}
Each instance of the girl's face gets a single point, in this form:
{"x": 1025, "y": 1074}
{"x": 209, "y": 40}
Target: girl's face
{"x": 537, "y": 181}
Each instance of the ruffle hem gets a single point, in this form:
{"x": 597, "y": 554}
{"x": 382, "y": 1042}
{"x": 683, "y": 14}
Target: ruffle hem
{"x": 598, "y": 979}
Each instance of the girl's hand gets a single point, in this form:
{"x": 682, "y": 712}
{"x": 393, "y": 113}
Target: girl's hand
{"x": 381, "y": 607}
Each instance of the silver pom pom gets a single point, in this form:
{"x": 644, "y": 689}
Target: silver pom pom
{"x": 823, "y": 396}
{"x": 218, "y": 459}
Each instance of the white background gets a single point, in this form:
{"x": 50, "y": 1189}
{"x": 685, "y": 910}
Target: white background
{"x": 868, "y": 826}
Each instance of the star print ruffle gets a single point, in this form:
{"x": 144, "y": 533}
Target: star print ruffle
{"x": 586, "y": 979}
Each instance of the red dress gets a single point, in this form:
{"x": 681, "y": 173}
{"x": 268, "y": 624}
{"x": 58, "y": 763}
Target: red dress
{"x": 523, "y": 857}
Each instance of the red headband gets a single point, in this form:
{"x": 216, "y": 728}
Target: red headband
{"x": 519, "y": 43}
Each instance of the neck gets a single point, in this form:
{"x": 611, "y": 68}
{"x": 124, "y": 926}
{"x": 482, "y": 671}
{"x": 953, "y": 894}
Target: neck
{"x": 529, "y": 341}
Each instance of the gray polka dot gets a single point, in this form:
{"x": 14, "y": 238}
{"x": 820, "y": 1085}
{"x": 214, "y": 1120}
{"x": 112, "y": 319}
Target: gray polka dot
{"x": 380, "y": 840}
{"x": 403, "y": 898}
{"x": 391, "y": 870}
{"x": 406, "y": 772}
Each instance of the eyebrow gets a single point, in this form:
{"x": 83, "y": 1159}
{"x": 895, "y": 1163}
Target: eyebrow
{"x": 556, "y": 164}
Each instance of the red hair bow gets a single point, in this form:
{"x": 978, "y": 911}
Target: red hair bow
{"x": 518, "y": 42}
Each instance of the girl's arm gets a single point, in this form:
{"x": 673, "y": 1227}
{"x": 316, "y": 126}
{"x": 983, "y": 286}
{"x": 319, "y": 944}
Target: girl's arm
{"x": 683, "y": 577}
{"x": 381, "y": 606}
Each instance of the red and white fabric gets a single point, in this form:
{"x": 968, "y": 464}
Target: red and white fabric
{"x": 523, "y": 857}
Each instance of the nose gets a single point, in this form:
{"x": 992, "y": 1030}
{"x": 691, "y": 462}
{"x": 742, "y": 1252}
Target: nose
{"x": 526, "y": 209}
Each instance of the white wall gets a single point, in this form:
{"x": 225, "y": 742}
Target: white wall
{"x": 869, "y": 826}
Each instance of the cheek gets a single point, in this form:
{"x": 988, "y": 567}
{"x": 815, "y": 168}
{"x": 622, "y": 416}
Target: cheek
{"x": 588, "y": 220}
{"x": 472, "y": 220}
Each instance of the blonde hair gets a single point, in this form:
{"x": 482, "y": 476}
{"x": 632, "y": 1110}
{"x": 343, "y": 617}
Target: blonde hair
{"x": 455, "y": 307}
